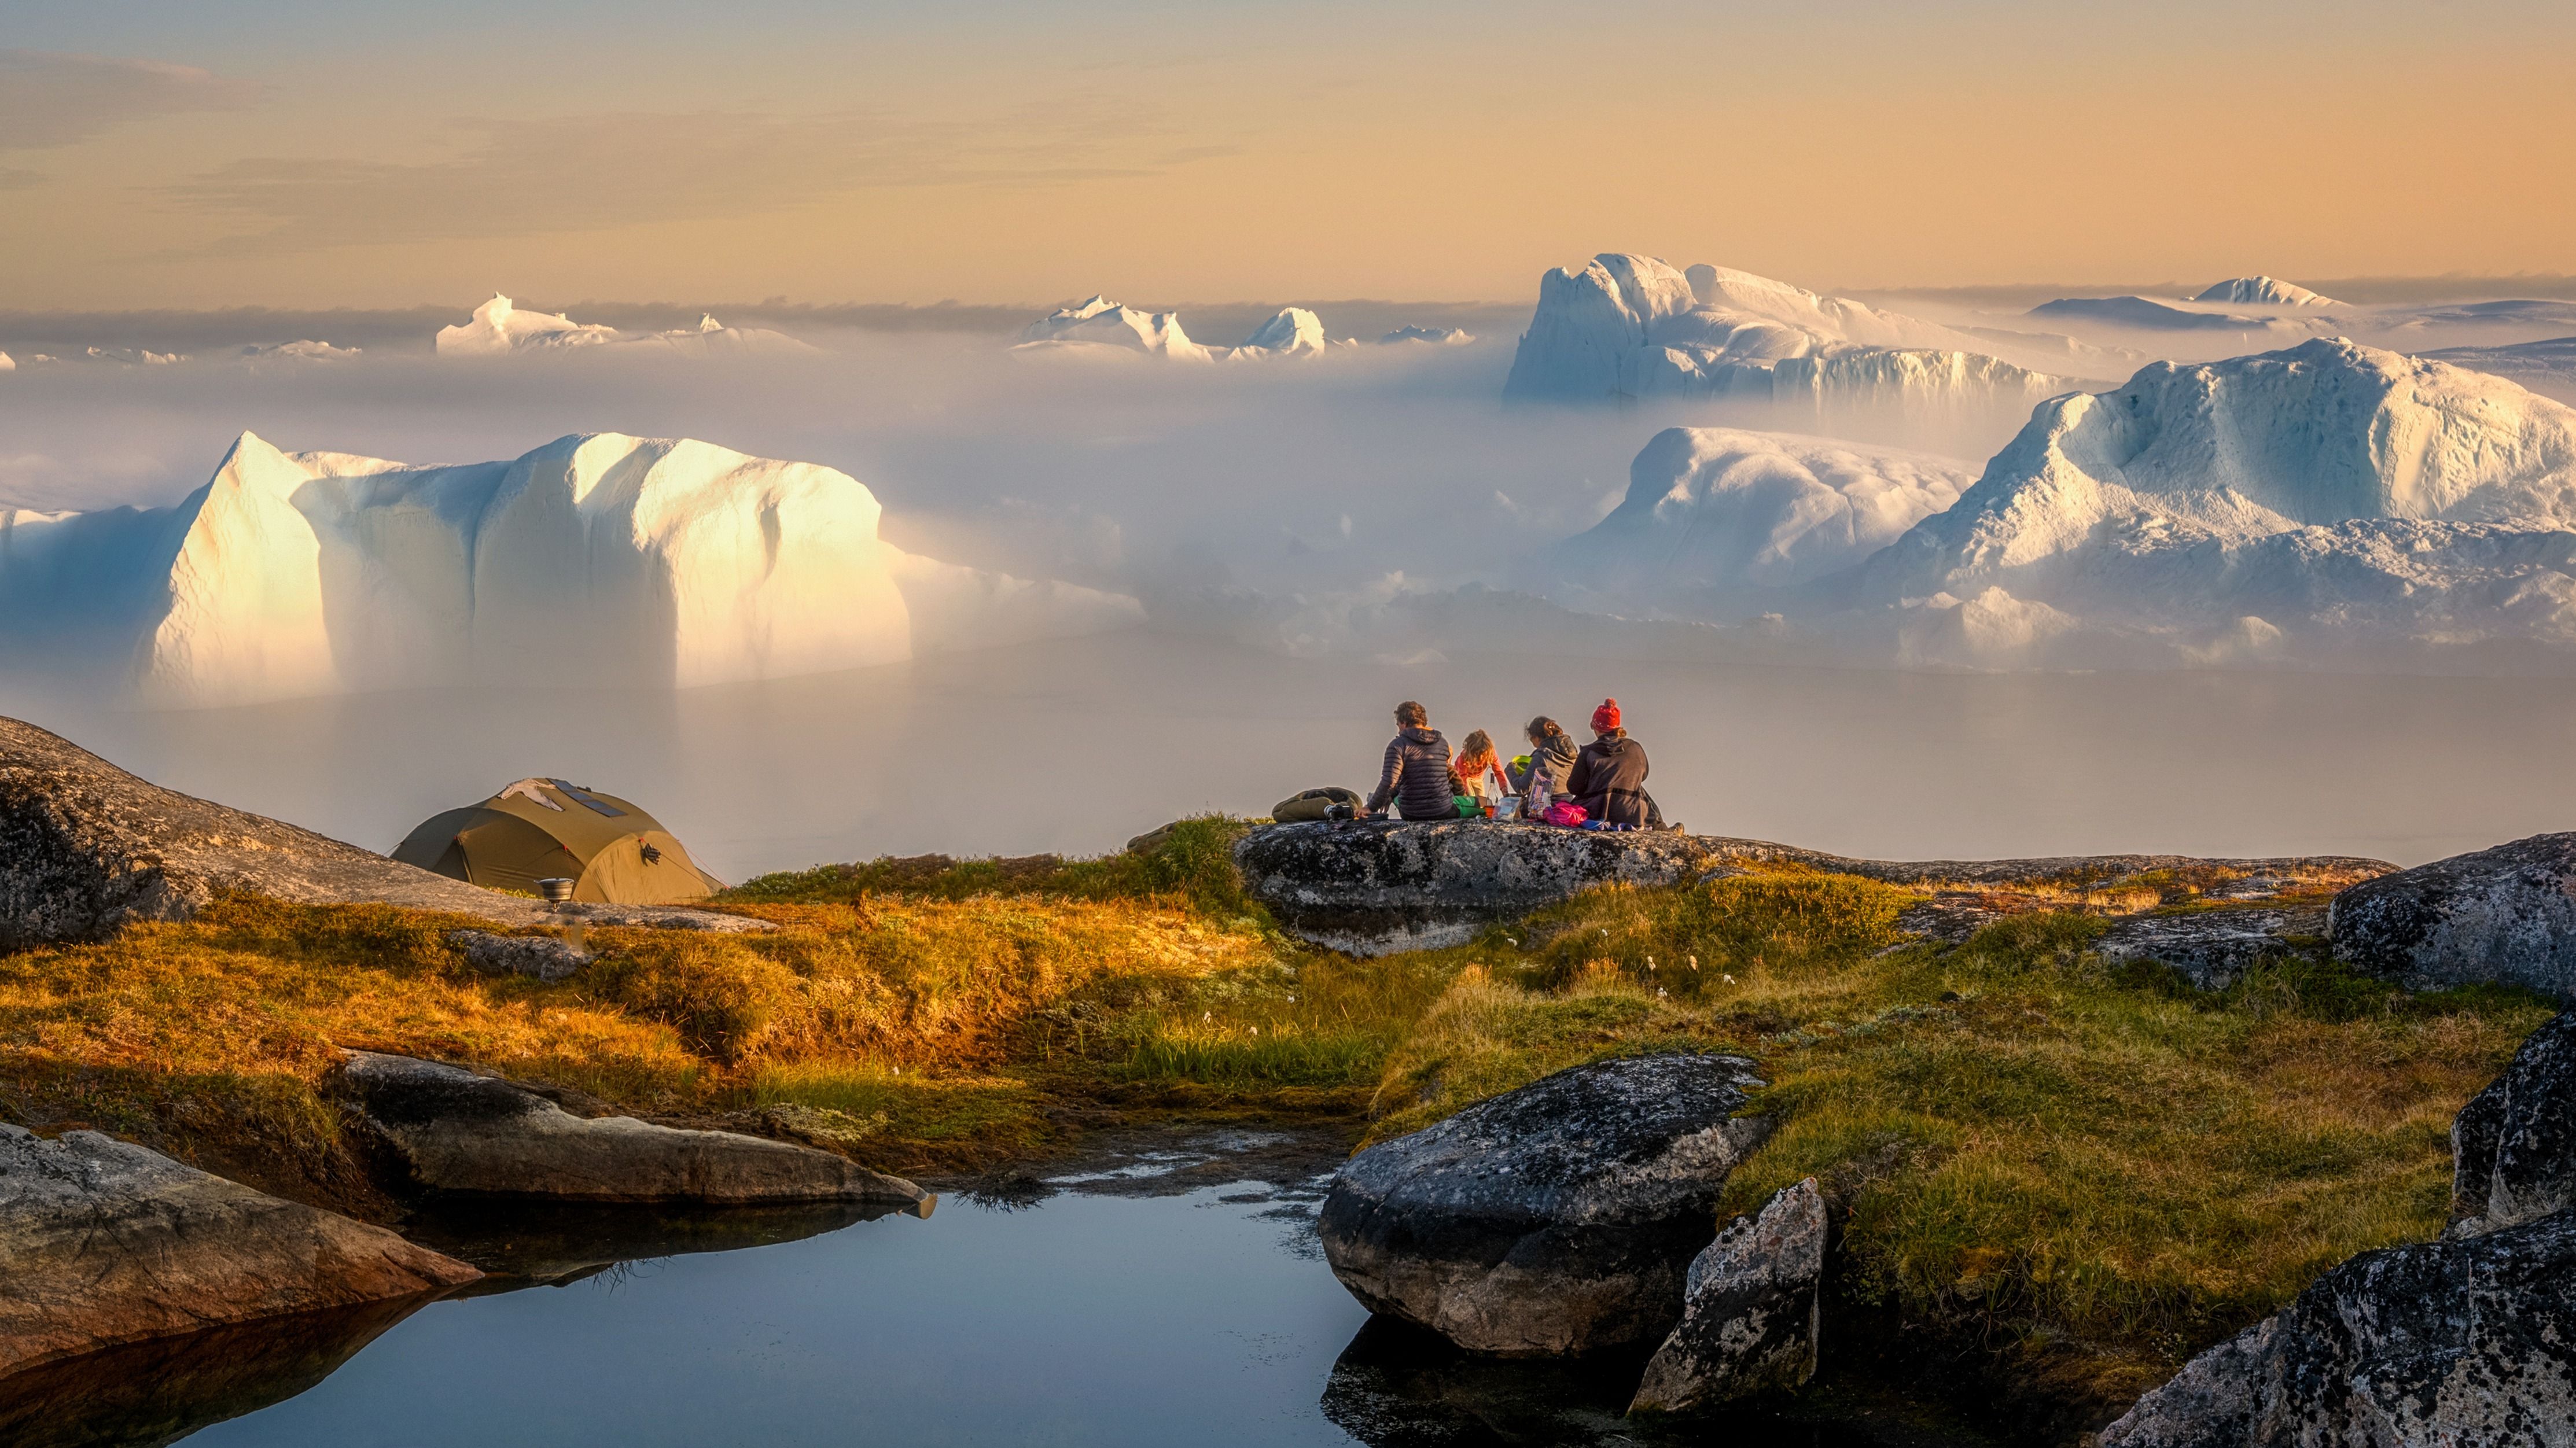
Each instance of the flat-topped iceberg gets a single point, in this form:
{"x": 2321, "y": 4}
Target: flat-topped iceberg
{"x": 595, "y": 560}
{"x": 2261, "y": 291}
{"x": 502, "y": 328}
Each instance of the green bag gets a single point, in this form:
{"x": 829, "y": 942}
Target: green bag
{"x": 1470, "y": 807}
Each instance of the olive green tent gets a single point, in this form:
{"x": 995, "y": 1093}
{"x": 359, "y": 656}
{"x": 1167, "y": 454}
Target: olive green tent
{"x": 539, "y": 829}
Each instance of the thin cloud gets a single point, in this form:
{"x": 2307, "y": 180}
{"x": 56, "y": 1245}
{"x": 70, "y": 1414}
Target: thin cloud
{"x": 48, "y": 99}
{"x": 596, "y": 172}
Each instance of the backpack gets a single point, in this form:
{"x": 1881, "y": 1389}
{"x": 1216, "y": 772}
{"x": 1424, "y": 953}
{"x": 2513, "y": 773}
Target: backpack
{"x": 1567, "y": 813}
{"x": 1315, "y": 804}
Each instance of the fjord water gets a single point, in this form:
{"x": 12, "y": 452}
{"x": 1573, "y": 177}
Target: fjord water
{"x": 1076, "y": 746}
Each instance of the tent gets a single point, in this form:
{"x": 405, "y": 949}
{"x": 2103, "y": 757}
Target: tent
{"x": 538, "y": 829}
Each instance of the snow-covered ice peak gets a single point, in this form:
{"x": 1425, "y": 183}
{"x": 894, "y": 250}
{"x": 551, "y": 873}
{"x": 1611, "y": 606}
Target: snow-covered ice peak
{"x": 1098, "y": 325}
{"x": 500, "y": 327}
{"x": 1295, "y": 331}
{"x": 2261, "y": 291}
{"x": 2322, "y": 434}
{"x": 596, "y": 559}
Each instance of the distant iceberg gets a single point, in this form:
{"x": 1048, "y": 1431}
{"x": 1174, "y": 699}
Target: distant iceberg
{"x": 502, "y": 328}
{"x": 1627, "y": 328}
{"x": 1294, "y": 332}
{"x": 595, "y": 560}
{"x": 2263, "y": 292}
{"x": 303, "y": 351}
{"x": 1099, "y": 325}
{"x": 1433, "y": 336}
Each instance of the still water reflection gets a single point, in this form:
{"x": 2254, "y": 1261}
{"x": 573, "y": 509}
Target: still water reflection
{"x": 1170, "y": 1296}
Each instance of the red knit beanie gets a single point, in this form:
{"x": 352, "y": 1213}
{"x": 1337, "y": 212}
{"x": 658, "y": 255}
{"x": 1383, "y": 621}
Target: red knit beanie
{"x": 1606, "y": 718}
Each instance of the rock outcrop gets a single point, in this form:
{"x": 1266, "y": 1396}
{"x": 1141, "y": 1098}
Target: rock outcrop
{"x": 541, "y": 956}
{"x": 2513, "y": 1147}
{"x": 107, "y": 1243}
{"x": 1556, "y": 1219}
{"x": 2471, "y": 1339}
{"x": 2210, "y": 947}
{"x": 458, "y": 1130}
{"x": 1369, "y": 887}
{"x": 86, "y": 847}
{"x": 1751, "y": 1309}
{"x": 2500, "y": 916}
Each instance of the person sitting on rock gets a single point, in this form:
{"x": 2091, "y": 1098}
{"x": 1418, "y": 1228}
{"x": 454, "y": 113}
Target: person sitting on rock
{"x": 1551, "y": 761}
{"x": 1478, "y": 764}
{"x": 1415, "y": 778}
{"x": 1609, "y": 776}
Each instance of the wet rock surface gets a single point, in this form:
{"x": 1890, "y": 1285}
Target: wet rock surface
{"x": 2471, "y": 1339}
{"x": 107, "y": 1243}
{"x": 458, "y": 1130}
{"x": 2500, "y": 916}
{"x": 1370, "y": 887}
{"x": 86, "y": 847}
{"x": 1556, "y": 1219}
{"x": 542, "y": 957}
{"x": 1750, "y": 1309}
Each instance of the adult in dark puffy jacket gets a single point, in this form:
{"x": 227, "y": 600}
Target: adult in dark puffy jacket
{"x": 1609, "y": 778}
{"x": 1416, "y": 777}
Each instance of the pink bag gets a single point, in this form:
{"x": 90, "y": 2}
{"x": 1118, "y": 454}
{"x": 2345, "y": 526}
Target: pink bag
{"x": 1565, "y": 812}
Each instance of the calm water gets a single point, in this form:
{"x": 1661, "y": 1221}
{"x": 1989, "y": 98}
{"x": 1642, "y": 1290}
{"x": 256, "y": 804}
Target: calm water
{"x": 1151, "y": 1301}
{"x": 1074, "y": 747}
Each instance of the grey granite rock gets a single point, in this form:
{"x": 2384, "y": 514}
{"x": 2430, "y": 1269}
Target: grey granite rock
{"x": 541, "y": 956}
{"x": 458, "y": 1130}
{"x": 2211, "y": 947}
{"x": 86, "y": 847}
{"x": 1369, "y": 887}
{"x": 104, "y": 1243}
{"x": 1751, "y": 1309}
{"x": 2513, "y": 1147}
{"x": 2505, "y": 915}
{"x": 1559, "y": 1218}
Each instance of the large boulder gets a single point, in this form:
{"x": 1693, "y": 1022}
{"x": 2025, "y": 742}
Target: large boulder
{"x": 2513, "y": 1147}
{"x": 86, "y": 847}
{"x": 104, "y": 1243}
{"x": 459, "y": 1130}
{"x": 2500, "y": 916}
{"x": 2471, "y": 1339}
{"x": 1559, "y": 1218}
{"x": 1751, "y": 1309}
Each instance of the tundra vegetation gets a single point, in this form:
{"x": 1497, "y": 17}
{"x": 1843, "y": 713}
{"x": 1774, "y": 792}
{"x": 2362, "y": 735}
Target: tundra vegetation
{"x": 2093, "y": 1170}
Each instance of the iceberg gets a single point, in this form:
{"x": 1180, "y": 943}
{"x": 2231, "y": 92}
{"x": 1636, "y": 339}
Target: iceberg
{"x": 1716, "y": 517}
{"x": 596, "y": 560}
{"x": 8, "y": 363}
{"x": 303, "y": 351}
{"x": 1624, "y": 328}
{"x": 2263, "y": 292}
{"x": 2337, "y": 495}
{"x": 1294, "y": 332}
{"x": 502, "y": 328}
{"x": 1100, "y": 326}
{"x": 1433, "y": 336}
{"x": 2547, "y": 367}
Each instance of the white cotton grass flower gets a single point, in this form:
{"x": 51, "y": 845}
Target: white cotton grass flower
{"x": 1694, "y": 962}
{"x": 1650, "y": 965}
{"x": 1730, "y": 980}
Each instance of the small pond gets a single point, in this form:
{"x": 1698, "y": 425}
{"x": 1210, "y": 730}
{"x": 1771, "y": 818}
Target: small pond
{"x": 1169, "y": 1293}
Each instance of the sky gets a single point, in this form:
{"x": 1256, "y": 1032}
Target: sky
{"x": 293, "y": 153}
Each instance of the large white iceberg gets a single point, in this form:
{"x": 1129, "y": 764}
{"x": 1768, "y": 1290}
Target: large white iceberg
{"x": 1626, "y": 328}
{"x": 594, "y": 560}
{"x": 1717, "y": 517}
{"x": 2339, "y": 495}
{"x": 502, "y": 328}
{"x": 1294, "y": 332}
{"x": 1099, "y": 325}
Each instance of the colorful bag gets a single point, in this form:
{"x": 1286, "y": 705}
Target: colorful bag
{"x": 1567, "y": 813}
{"x": 1470, "y": 807}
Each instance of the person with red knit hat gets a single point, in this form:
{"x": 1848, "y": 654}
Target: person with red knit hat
{"x": 1609, "y": 778}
